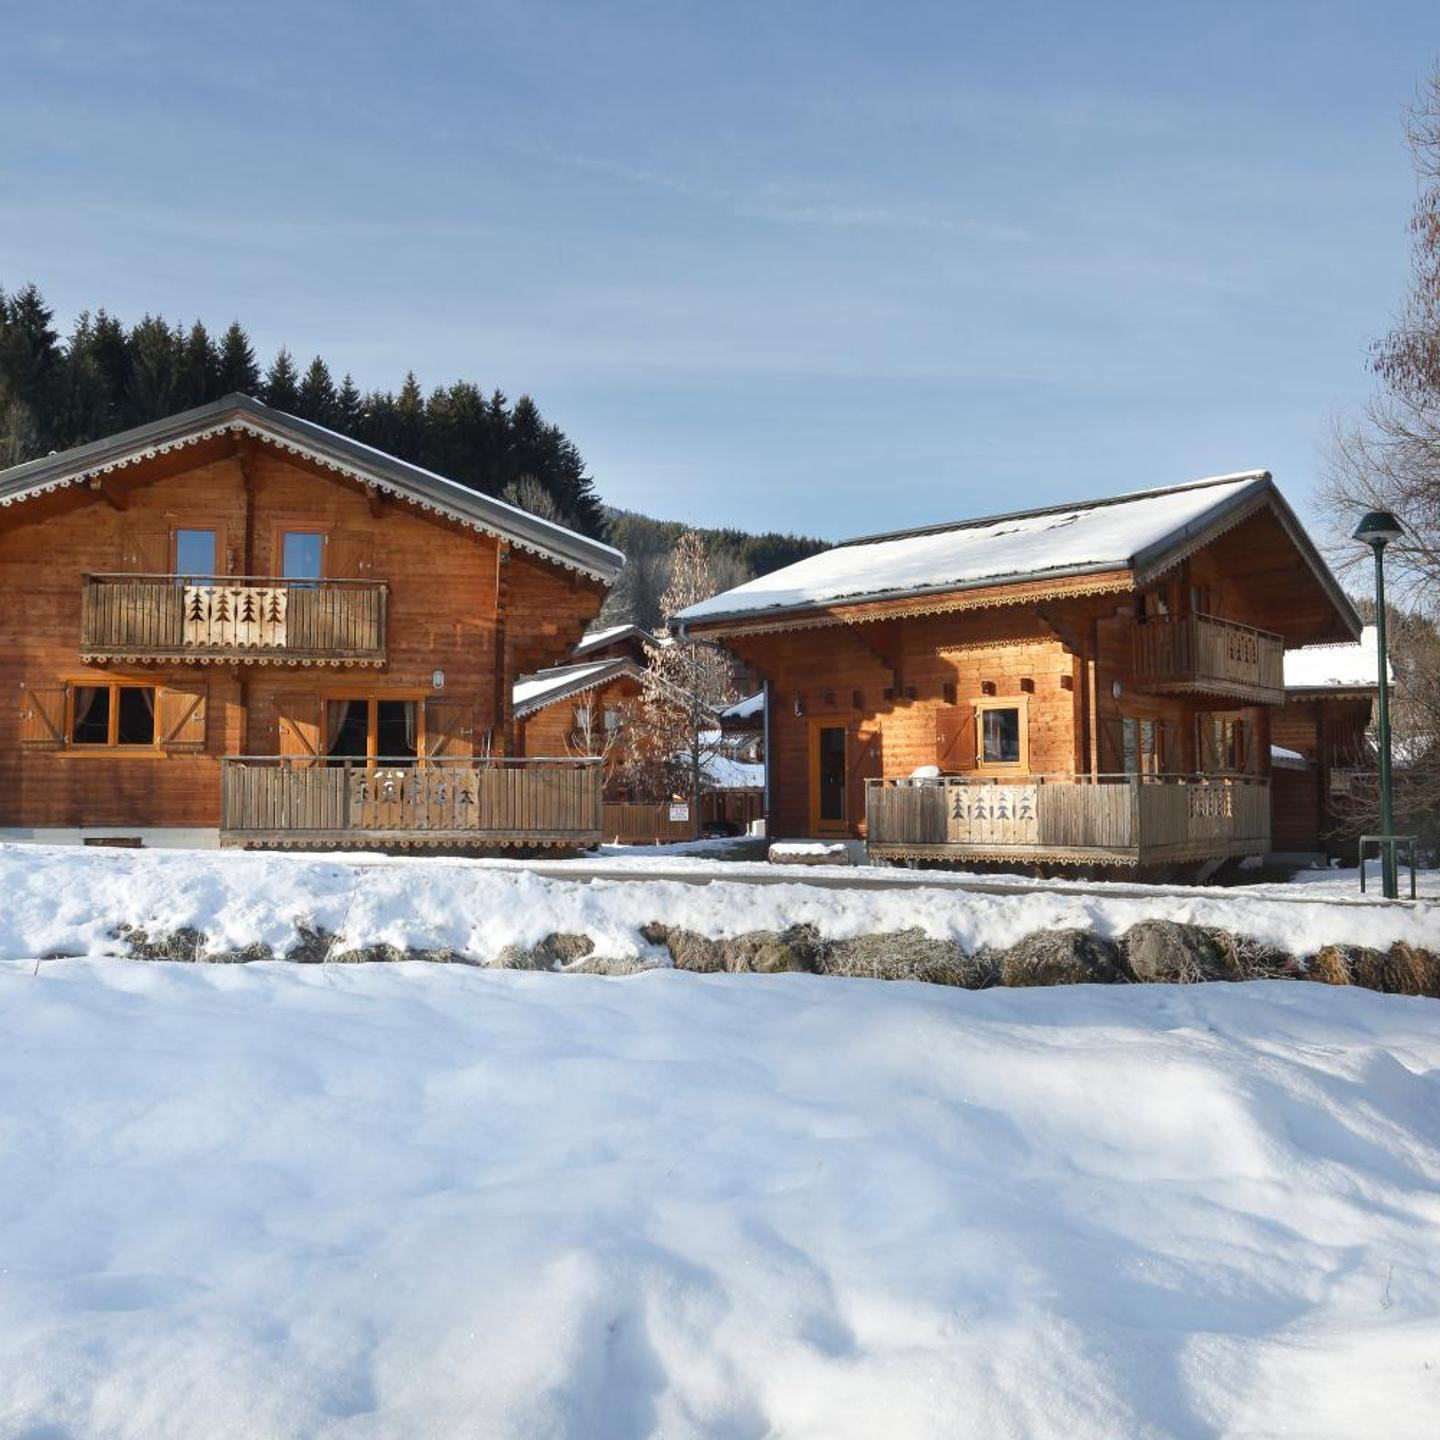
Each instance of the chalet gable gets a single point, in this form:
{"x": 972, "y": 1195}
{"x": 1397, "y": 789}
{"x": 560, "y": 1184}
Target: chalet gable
{"x": 239, "y": 415}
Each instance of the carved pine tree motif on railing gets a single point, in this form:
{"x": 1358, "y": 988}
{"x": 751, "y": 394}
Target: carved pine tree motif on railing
{"x": 236, "y": 617}
{"x": 992, "y": 814}
{"x": 415, "y": 798}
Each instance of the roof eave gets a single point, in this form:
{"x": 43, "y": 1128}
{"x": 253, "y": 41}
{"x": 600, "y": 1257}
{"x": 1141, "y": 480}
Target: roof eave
{"x": 882, "y": 597}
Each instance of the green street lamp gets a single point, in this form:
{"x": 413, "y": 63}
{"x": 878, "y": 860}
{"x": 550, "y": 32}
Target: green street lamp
{"x": 1377, "y": 530}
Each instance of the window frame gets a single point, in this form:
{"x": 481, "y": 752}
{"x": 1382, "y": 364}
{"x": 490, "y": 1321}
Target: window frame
{"x": 215, "y": 528}
{"x": 372, "y": 701}
{"x": 1018, "y": 703}
{"x": 277, "y": 553}
{"x": 111, "y": 744}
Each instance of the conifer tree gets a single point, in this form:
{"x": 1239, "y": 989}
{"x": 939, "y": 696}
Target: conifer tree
{"x": 410, "y": 420}
{"x": 199, "y": 368}
{"x": 239, "y": 374}
{"x": 317, "y": 400}
{"x": 348, "y": 407}
{"x": 282, "y": 384}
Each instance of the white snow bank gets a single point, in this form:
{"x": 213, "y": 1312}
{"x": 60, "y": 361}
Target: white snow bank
{"x": 281, "y": 1201}
{"x": 68, "y": 900}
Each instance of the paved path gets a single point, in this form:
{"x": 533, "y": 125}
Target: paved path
{"x": 837, "y": 877}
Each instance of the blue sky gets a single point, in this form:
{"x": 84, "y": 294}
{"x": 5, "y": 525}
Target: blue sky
{"x": 824, "y": 267}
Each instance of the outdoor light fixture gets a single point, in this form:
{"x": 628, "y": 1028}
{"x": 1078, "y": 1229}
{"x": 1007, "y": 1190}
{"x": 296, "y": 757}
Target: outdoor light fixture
{"x": 1377, "y": 530}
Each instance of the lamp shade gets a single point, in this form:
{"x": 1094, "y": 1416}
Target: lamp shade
{"x": 1379, "y": 527}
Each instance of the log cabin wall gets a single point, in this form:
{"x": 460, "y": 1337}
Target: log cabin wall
{"x": 446, "y": 589}
{"x": 548, "y": 732}
{"x": 1329, "y": 731}
{"x": 905, "y": 691}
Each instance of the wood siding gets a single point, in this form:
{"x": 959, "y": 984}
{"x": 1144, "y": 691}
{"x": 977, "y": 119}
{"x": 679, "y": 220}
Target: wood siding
{"x": 454, "y": 605}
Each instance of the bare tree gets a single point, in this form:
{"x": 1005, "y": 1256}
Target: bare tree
{"x": 593, "y": 736}
{"x": 675, "y": 730}
{"x": 1390, "y": 460}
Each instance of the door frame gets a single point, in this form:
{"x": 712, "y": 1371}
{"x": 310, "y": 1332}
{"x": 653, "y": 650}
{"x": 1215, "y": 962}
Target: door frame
{"x": 817, "y": 825}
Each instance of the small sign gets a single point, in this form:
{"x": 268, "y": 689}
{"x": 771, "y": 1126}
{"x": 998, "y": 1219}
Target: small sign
{"x": 680, "y": 812}
{"x": 437, "y": 679}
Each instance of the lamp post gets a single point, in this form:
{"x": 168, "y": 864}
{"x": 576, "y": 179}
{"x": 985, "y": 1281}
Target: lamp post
{"x": 1377, "y": 530}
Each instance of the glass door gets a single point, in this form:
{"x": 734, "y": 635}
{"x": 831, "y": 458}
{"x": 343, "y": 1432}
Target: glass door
{"x": 828, "y": 809}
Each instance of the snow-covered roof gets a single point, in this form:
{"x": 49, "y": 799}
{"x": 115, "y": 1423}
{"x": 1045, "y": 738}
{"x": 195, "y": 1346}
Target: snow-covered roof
{"x": 746, "y": 709}
{"x": 598, "y": 639}
{"x": 545, "y": 687}
{"x": 726, "y": 773}
{"x": 1336, "y": 667}
{"x": 1127, "y": 532}
{"x": 1284, "y": 758}
{"x": 239, "y": 414}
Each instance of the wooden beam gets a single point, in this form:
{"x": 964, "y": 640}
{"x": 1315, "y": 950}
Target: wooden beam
{"x": 106, "y": 486}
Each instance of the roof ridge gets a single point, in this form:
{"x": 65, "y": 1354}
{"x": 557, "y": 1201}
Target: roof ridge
{"x": 942, "y": 527}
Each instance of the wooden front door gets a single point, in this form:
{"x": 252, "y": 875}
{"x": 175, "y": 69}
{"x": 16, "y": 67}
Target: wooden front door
{"x": 829, "y": 779}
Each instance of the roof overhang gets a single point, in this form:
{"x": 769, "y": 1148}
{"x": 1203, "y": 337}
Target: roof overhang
{"x": 587, "y": 678}
{"x": 1019, "y": 589}
{"x": 240, "y": 415}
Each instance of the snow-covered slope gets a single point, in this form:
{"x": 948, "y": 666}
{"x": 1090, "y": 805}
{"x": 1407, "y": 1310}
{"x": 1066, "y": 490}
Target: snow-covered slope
{"x": 413, "y": 1200}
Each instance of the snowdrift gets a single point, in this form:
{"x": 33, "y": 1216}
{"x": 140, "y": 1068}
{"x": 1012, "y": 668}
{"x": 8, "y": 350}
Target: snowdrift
{"x": 291, "y": 1201}
{"x": 69, "y": 901}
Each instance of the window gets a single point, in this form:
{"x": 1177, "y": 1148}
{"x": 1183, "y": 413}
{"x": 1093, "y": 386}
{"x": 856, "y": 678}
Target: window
{"x": 1144, "y": 744}
{"x": 113, "y": 715}
{"x": 1000, "y": 739}
{"x": 302, "y": 555}
{"x": 1224, "y": 743}
{"x": 195, "y": 554}
{"x": 365, "y": 729}
{"x": 1154, "y": 604}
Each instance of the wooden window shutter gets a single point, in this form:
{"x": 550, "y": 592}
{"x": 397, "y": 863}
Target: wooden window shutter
{"x": 865, "y": 763}
{"x": 147, "y": 552}
{"x": 449, "y": 728}
{"x": 180, "y": 717}
{"x": 42, "y": 717}
{"x": 350, "y": 555}
{"x": 298, "y": 725}
{"x": 955, "y": 738}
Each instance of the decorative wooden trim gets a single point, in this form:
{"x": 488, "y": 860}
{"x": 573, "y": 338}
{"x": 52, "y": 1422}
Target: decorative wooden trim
{"x": 230, "y": 657}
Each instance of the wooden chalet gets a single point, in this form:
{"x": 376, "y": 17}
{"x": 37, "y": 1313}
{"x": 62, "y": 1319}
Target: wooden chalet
{"x": 1319, "y": 744}
{"x": 1080, "y": 684}
{"x": 236, "y": 624}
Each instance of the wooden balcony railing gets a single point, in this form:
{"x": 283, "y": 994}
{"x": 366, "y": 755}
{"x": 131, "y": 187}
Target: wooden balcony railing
{"x": 233, "y": 618}
{"x": 1118, "y": 819}
{"x": 1204, "y": 655}
{"x": 271, "y": 800}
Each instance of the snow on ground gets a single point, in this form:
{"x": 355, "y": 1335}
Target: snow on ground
{"x": 68, "y": 900}
{"x": 289, "y": 1201}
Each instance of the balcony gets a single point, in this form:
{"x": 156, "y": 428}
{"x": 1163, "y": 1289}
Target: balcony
{"x": 1116, "y": 819}
{"x": 467, "y": 803}
{"x": 1204, "y": 655}
{"x": 233, "y": 618}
